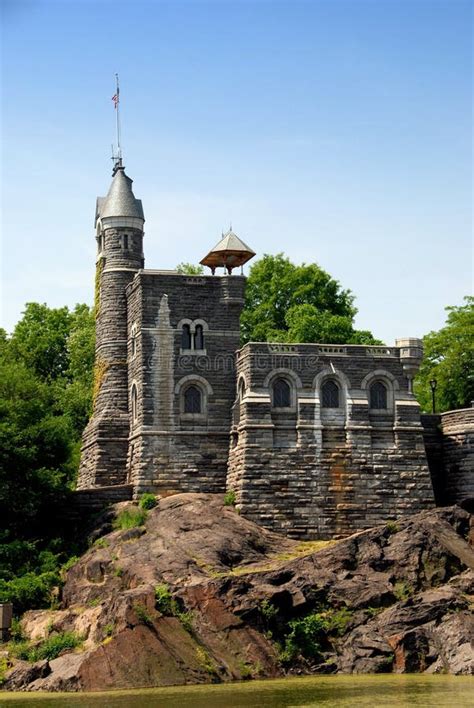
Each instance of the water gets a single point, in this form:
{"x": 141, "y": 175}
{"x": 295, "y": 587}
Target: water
{"x": 322, "y": 691}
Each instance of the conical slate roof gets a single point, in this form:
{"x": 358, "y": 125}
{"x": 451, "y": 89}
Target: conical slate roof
{"x": 120, "y": 200}
{"x": 231, "y": 251}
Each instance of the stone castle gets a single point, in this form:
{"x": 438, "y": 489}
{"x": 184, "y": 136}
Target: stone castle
{"x": 314, "y": 440}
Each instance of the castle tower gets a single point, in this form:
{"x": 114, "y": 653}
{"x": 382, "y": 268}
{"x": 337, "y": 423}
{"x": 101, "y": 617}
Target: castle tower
{"x": 119, "y": 223}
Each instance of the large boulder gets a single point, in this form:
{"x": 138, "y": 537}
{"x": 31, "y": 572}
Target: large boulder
{"x": 199, "y": 594}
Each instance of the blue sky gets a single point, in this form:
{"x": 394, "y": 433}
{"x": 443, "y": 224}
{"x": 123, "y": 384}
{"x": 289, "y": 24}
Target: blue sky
{"x": 336, "y": 131}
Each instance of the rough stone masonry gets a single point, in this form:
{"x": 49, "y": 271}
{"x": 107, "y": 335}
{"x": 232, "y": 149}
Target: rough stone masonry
{"x": 314, "y": 440}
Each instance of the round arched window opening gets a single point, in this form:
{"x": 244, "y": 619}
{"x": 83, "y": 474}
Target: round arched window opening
{"x": 281, "y": 394}
{"x": 378, "y": 396}
{"x": 330, "y": 395}
{"x": 192, "y": 400}
{"x": 199, "y": 337}
{"x": 186, "y": 337}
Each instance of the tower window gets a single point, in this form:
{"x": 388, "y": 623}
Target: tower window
{"x": 134, "y": 402}
{"x": 192, "y": 400}
{"x": 199, "y": 337}
{"x": 125, "y": 241}
{"x": 281, "y": 394}
{"x": 186, "y": 337}
{"x": 378, "y": 396}
{"x": 133, "y": 340}
{"x": 330, "y": 395}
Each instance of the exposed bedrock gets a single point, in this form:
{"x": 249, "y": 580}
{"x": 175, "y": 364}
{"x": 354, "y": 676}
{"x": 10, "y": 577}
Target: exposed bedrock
{"x": 199, "y": 594}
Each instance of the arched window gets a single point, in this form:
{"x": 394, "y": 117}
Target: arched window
{"x": 281, "y": 394}
{"x": 330, "y": 394}
{"x": 133, "y": 340}
{"x": 134, "y": 400}
{"x": 192, "y": 400}
{"x": 241, "y": 389}
{"x": 186, "y": 337}
{"x": 199, "y": 337}
{"x": 378, "y": 396}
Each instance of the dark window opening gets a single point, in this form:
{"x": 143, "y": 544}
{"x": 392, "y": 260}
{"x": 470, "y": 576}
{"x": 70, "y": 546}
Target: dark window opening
{"x": 134, "y": 397}
{"x": 378, "y": 396}
{"x": 192, "y": 400}
{"x": 125, "y": 241}
{"x": 186, "y": 337}
{"x": 281, "y": 394}
{"x": 199, "y": 337}
{"x": 330, "y": 393}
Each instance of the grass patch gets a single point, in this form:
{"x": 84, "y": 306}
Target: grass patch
{"x": 229, "y": 498}
{"x": 206, "y": 662}
{"x": 402, "y": 590}
{"x": 101, "y": 543}
{"x": 392, "y": 527}
{"x": 130, "y": 519}
{"x": 49, "y": 648}
{"x": 109, "y": 629}
{"x": 168, "y": 606}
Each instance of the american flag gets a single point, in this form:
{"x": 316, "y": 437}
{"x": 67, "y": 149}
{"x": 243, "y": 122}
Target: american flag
{"x": 115, "y": 99}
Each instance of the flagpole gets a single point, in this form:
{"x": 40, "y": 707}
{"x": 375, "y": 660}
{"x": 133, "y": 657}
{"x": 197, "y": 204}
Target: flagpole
{"x": 119, "y": 149}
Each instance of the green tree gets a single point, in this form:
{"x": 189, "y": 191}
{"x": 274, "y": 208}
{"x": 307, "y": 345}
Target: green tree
{"x": 448, "y": 357}
{"x": 286, "y": 302}
{"x": 40, "y": 340}
{"x": 189, "y": 269}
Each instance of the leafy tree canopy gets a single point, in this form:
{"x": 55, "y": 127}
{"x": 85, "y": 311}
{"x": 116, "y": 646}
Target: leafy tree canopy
{"x": 449, "y": 359}
{"x": 189, "y": 269}
{"x": 297, "y": 303}
{"x": 45, "y": 401}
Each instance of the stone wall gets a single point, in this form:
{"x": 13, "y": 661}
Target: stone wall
{"x": 171, "y": 450}
{"x": 309, "y": 472}
{"x": 458, "y": 455}
{"x": 105, "y": 440}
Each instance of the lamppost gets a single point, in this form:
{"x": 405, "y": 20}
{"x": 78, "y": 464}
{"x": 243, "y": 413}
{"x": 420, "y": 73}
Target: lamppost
{"x": 433, "y": 384}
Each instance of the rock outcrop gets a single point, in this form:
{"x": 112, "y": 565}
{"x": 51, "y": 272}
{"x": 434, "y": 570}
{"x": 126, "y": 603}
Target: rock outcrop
{"x": 199, "y": 594}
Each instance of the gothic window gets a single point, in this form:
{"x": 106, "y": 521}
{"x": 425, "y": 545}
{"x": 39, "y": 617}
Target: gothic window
{"x": 186, "y": 337}
{"x": 330, "y": 394}
{"x": 199, "y": 337}
{"x": 192, "y": 400}
{"x": 378, "y": 396}
{"x": 134, "y": 399}
{"x": 281, "y": 394}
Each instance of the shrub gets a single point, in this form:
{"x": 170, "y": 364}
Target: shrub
{"x": 229, "y": 498}
{"x": 130, "y": 519}
{"x": 147, "y": 501}
{"x": 3, "y": 668}
{"x": 402, "y": 590}
{"x": 29, "y": 590}
{"x": 143, "y": 615}
{"x": 392, "y": 527}
{"x": 164, "y": 602}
